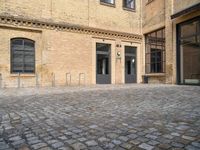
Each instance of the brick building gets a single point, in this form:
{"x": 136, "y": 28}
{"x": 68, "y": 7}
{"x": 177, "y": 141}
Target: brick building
{"x": 64, "y": 42}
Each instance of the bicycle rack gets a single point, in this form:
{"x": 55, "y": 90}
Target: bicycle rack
{"x": 80, "y": 77}
{"x": 1, "y": 81}
{"x": 68, "y": 76}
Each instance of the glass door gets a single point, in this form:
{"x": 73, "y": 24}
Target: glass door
{"x": 189, "y": 52}
{"x": 103, "y": 65}
{"x": 130, "y": 64}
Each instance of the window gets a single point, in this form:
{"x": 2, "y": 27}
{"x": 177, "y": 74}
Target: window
{"x": 149, "y": 1}
{"x": 22, "y": 56}
{"x": 130, "y": 4}
{"x": 155, "y": 52}
{"x": 156, "y": 57}
{"x": 108, "y": 1}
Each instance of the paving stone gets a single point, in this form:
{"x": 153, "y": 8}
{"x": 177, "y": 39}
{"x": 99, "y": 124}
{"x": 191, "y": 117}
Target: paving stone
{"x": 46, "y": 148}
{"x": 65, "y": 148}
{"x": 135, "y": 142}
{"x": 146, "y": 146}
{"x": 19, "y": 142}
{"x": 112, "y": 135}
{"x": 153, "y": 143}
{"x": 190, "y": 147}
{"x": 126, "y": 145}
{"x": 132, "y": 136}
{"x": 39, "y": 145}
{"x": 93, "y": 126}
{"x": 109, "y": 146}
{"x": 82, "y": 139}
{"x": 168, "y": 136}
{"x": 34, "y": 142}
{"x": 188, "y": 138}
{"x": 116, "y": 142}
{"x": 91, "y": 143}
{"x": 103, "y": 139}
{"x": 178, "y": 145}
{"x": 78, "y": 146}
{"x": 62, "y": 138}
{"x": 96, "y": 148}
{"x": 153, "y": 137}
{"x": 3, "y": 146}
{"x": 123, "y": 138}
{"x": 197, "y": 144}
{"x": 175, "y": 134}
{"x": 57, "y": 144}
{"x": 182, "y": 127}
{"x": 71, "y": 141}
{"x": 15, "y": 138}
{"x": 164, "y": 146}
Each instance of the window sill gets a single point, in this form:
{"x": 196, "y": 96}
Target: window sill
{"x": 107, "y": 4}
{"x": 129, "y": 9}
{"x": 23, "y": 75}
{"x": 155, "y": 74}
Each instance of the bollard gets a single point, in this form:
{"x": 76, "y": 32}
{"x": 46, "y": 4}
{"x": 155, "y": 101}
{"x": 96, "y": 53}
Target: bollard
{"x": 68, "y": 75}
{"x": 1, "y": 80}
{"x": 53, "y": 79}
{"x": 18, "y": 80}
{"x": 37, "y": 81}
{"x": 80, "y": 76}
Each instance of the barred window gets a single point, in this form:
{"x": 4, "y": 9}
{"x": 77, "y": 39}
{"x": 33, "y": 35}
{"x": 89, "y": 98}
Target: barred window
{"x": 155, "y": 52}
{"x": 130, "y": 4}
{"x": 108, "y": 1}
{"x": 22, "y": 56}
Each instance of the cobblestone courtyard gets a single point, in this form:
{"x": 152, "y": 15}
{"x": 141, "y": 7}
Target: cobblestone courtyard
{"x": 102, "y": 117}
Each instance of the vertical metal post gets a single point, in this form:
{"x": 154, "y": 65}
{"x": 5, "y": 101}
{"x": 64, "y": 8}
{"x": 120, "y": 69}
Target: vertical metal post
{"x": 37, "y": 80}
{"x": 68, "y": 75}
{"x": 1, "y": 85}
{"x": 18, "y": 80}
{"x": 53, "y": 79}
{"x": 80, "y": 77}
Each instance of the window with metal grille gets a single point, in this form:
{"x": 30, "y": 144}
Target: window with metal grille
{"x": 22, "y": 55}
{"x": 155, "y": 52}
{"x": 108, "y": 1}
{"x": 130, "y": 4}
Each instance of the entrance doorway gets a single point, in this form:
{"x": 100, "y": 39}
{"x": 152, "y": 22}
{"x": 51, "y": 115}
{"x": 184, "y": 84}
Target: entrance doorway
{"x": 189, "y": 52}
{"x": 103, "y": 63}
{"x": 130, "y": 64}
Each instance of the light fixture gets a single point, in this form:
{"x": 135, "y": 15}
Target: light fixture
{"x": 118, "y": 54}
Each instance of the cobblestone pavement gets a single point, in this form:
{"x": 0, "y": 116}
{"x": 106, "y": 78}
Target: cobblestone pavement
{"x": 102, "y": 117}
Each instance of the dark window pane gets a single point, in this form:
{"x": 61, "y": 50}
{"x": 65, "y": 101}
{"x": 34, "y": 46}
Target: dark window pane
{"x": 155, "y": 52}
{"x": 22, "y": 56}
{"x": 108, "y": 1}
{"x": 129, "y": 4}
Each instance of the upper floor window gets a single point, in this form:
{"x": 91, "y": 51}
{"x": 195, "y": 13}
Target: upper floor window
{"x": 149, "y": 1}
{"x": 108, "y": 1}
{"x": 130, "y": 4}
{"x": 22, "y": 55}
{"x": 155, "y": 52}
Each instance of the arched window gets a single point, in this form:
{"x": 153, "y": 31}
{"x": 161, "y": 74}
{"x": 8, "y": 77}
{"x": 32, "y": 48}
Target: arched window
{"x": 22, "y": 56}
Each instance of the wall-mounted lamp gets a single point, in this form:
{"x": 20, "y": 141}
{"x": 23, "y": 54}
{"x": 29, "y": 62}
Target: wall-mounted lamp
{"x": 118, "y": 54}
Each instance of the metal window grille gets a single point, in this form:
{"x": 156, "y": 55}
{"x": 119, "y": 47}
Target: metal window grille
{"x": 155, "y": 52}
